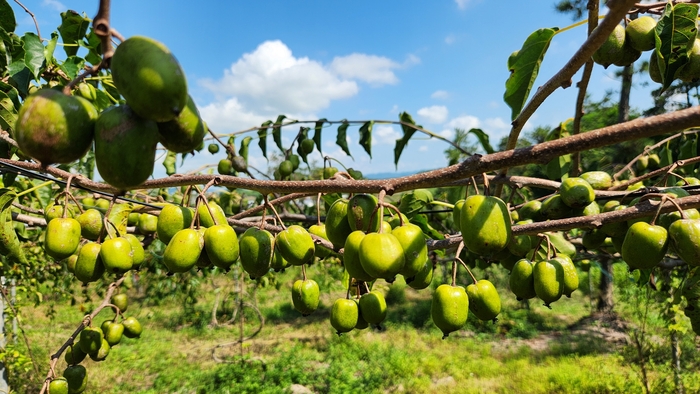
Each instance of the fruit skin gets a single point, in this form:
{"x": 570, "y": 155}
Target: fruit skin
{"x": 213, "y": 148}
{"x": 423, "y": 278}
{"x": 296, "y": 245}
{"x": 206, "y": 218}
{"x": 344, "y": 315}
{"x": 52, "y": 127}
{"x": 91, "y": 223}
{"x": 90, "y": 339}
{"x": 256, "y": 249}
{"x": 457, "y": 213}
{"x": 184, "y": 133}
{"x": 415, "y": 250}
{"x": 305, "y": 296}
{"x": 337, "y": 225}
{"x": 76, "y": 375}
{"x": 62, "y": 237}
{"x": 522, "y": 280}
{"x": 549, "y": 280}
{"x": 320, "y": 230}
{"x": 531, "y": 210}
{"x": 224, "y": 167}
{"x": 172, "y": 219}
{"x": 138, "y": 254}
{"x": 373, "y": 307}
{"x": 147, "y": 224}
{"x": 150, "y": 78}
{"x": 307, "y": 145}
{"x": 691, "y": 70}
{"x": 644, "y": 246}
{"x": 89, "y": 266}
{"x": 484, "y": 301}
{"x": 102, "y": 352}
{"x": 278, "y": 263}
{"x": 570, "y": 274}
{"x": 121, "y": 301}
{"x": 381, "y": 255}
{"x": 685, "y": 237}
{"x": 611, "y": 50}
{"x": 599, "y": 180}
{"x": 640, "y": 33}
{"x": 221, "y": 244}
{"x": 74, "y": 355}
{"x": 449, "y": 308}
{"x": 286, "y": 168}
{"x": 576, "y": 192}
{"x": 485, "y": 224}
{"x": 351, "y": 257}
{"x": 132, "y": 327}
{"x": 328, "y": 172}
{"x": 125, "y": 146}
{"x": 363, "y": 213}
{"x": 58, "y": 386}
{"x": 183, "y": 250}
{"x": 117, "y": 255}
{"x": 113, "y": 333}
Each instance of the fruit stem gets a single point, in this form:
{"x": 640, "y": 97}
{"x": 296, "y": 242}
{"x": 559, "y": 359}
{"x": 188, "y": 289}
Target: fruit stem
{"x": 277, "y": 216}
{"x": 206, "y": 204}
{"x": 318, "y": 210}
{"x": 443, "y": 204}
{"x": 476, "y": 188}
{"x": 230, "y": 151}
{"x": 454, "y": 273}
{"x": 577, "y": 24}
{"x": 303, "y": 272}
{"x": 468, "y": 270}
{"x": 539, "y": 243}
{"x": 487, "y": 192}
{"x": 34, "y": 188}
{"x": 382, "y": 194}
{"x": 66, "y": 193}
{"x": 196, "y": 212}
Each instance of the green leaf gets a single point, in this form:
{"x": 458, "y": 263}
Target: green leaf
{"x": 304, "y": 131}
{"x": 8, "y": 113}
{"x": 33, "y": 53}
{"x": 317, "y": 134}
{"x": 50, "y": 48}
{"x": 119, "y": 216}
{"x": 170, "y": 163}
{"x": 558, "y": 166}
{"x": 675, "y": 35}
{"x": 262, "y": 137}
{"x": 243, "y": 150}
{"x": 73, "y": 28}
{"x": 277, "y": 132}
{"x": 408, "y": 131}
{"x": 483, "y": 140}
{"x": 413, "y": 202}
{"x": 422, "y": 222}
{"x": 7, "y": 17}
{"x": 103, "y": 101}
{"x": 525, "y": 69}
{"x": 94, "y": 45}
{"x": 665, "y": 155}
{"x": 366, "y": 137}
{"x": 342, "y": 138}
{"x": 20, "y": 77}
{"x": 72, "y": 66}
{"x": 11, "y": 93}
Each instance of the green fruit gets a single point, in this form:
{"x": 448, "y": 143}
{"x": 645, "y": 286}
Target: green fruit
{"x": 89, "y": 266}
{"x": 116, "y": 255}
{"x": 351, "y": 257}
{"x": 138, "y": 254}
{"x": 570, "y": 274}
{"x": 691, "y": 71}
{"x": 91, "y": 224}
{"x": 396, "y": 220}
{"x": 286, "y": 168}
{"x": 102, "y": 204}
{"x": 76, "y": 375}
{"x": 423, "y": 278}
{"x": 256, "y": 250}
{"x": 373, "y": 307}
{"x": 449, "y": 308}
{"x": 296, "y": 245}
{"x": 172, "y": 219}
{"x": 74, "y": 355}
{"x": 239, "y": 164}
{"x": 593, "y": 239}
{"x": 52, "y": 127}
{"x": 344, "y": 315}
{"x": 150, "y": 78}
{"x": 561, "y": 244}
{"x": 576, "y": 192}
{"x": 55, "y": 211}
{"x": 666, "y": 219}
{"x": 363, "y": 213}
{"x": 415, "y": 250}
{"x": 184, "y": 133}
{"x": 224, "y": 167}
{"x": 615, "y": 229}
{"x": 221, "y": 245}
{"x": 522, "y": 280}
{"x": 328, "y": 172}
{"x": 484, "y": 301}
{"x": 485, "y": 224}
{"x": 121, "y": 301}
{"x": 125, "y": 147}
{"x": 62, "y": 237}
{"x": 88, "y": 202}
{"x": 113, "y": 333}
{"x": 531, "y": 210}
{"x": 337, "y": 224}
{"x": 205, "y": 218}
{"x": 612, "y": 49}
{"x": 514, "y": 216}
{"x": 147, "y": 224}
{"x": 457, "y": 213}
{"x": 599, "y": 180}
{"x": 654, "y": 70}
{"x": 132, "y": 327}
{"x": 639, "y": 33}
{"x": 183, "y": 250}
{"x": 90, "y": 340}
{"x": 213, "y": 148}
{"x": 102, "y": 353}
{"x": 685, "y": 238}
{"x": 519, "y": 245}
{"x": 58, "y": 386}
{"x": 361, "y": 322}
{"x": 307, "y": 145}
{"x": 295, "y": 161}
{"x": 381, "y": 255}
{"x": 644, "y": 245}
{"x": 509, "y": 261}
{"x": 585, "y": 265}
{"x": 629, "y": 55}
{"x": 320, "y": 231}
{"x": 305, "y": 295}
{"x": 278, "y": 263}
{"x": 554, "y": 208}
{"x": 549, "y": 280}
{"x": 589, "y": 210}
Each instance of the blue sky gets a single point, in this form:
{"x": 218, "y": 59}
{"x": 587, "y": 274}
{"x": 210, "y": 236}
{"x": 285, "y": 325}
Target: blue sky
{"x": 443, "y": 61}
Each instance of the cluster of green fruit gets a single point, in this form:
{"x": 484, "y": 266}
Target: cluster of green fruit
{"x": 56, "y": 128}
{"x": 95, "y": 342}
{"x": 626, "y": 44}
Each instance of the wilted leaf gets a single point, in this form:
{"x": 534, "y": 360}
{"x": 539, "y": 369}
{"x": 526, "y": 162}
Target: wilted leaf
{"x": 408, "y": 130}
{"x": 277, "y": 132}
{"x": 366, "y": 137}
{"x": 318, "y": 129}
{"x": 483, "y": 139}
{"x": 243, "y": 150}
{"x": 342, "y": 138}
{"x": 262, "y": 137}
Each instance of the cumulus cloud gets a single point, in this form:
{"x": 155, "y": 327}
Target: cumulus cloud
{"x": 434, "y": 114}
{"x": 496, "y": 128}
{"x": 229, "y": 116}
{"x": 440, "y": 95}
{"x": 375, "y": 70}
{"x": 385, "y": 134}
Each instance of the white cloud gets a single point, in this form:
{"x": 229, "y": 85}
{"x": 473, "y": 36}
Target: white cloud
{"x": 55, "y": 4}
{"x": 276, "y": 81}
{"x": 229, "y": 116}
{"x": 376, "y": 70}
{"x": 434, "y": 114}
{"x": 496, "y": 128}
{"x": 440, "y": 95}
{"x": 385, "y": 134}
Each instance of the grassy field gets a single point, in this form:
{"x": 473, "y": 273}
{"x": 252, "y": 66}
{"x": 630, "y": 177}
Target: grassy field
{"x": 530, "y": 350}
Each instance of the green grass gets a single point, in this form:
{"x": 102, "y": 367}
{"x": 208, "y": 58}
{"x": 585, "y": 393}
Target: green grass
{"x": 529, "y": 350}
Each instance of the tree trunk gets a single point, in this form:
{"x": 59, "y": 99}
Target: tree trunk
{"x": 623, "y": 109}
{"x": 605, "y": 297}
